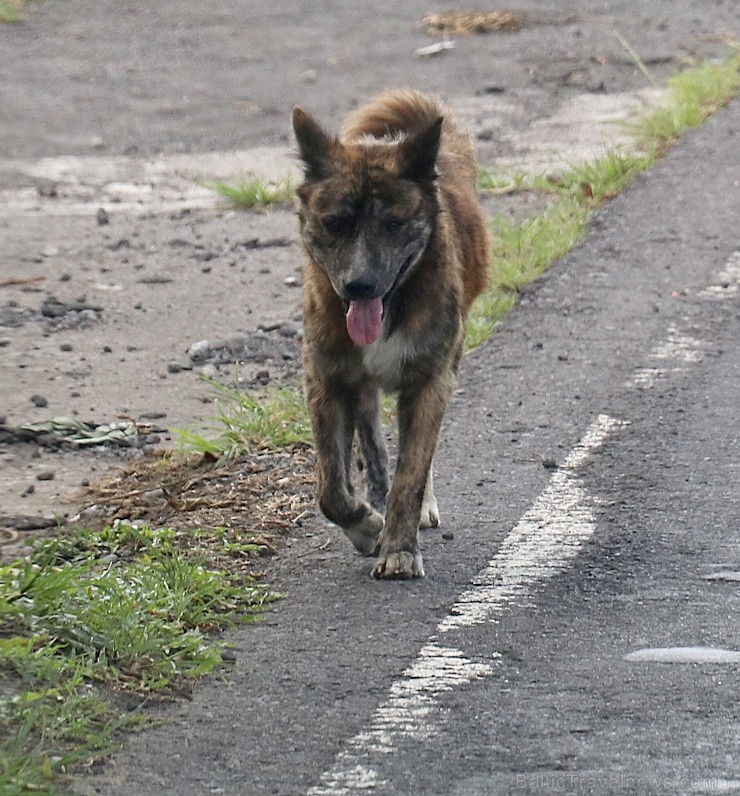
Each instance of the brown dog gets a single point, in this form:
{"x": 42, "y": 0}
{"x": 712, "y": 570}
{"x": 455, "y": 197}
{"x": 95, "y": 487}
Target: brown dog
{"x": 397, "y": 250}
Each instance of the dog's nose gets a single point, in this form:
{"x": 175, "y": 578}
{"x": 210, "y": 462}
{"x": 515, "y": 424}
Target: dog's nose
{"x": 361, "y": 288}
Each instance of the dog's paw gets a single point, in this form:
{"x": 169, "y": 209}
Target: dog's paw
{"x": 364, "y": 534}
{"x": 399, "y": 565}
{"x": 429, "y": 514}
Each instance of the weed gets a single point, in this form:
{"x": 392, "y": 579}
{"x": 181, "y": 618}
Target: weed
{"x": 10, "y": 10}
{"x": 126, "y": 607}
{"x": 695, "y": 95}
{"x": 270, "y": 421}
{"x": 250, "y": 192}
{"x": 520, "y": 252}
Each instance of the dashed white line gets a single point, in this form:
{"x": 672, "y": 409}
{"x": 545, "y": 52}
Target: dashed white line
{"x": 680, "y": 348}
{"x": 542, "y": 544}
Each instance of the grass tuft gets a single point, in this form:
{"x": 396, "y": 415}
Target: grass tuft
{"x": 250, "y": 192}
{"x": 270, "y": 421}
{"x": 10, "y": 10}
{"x": 522, "y": 251}
{"x": 695, "y": 95}
{"x": 126, "y": 607}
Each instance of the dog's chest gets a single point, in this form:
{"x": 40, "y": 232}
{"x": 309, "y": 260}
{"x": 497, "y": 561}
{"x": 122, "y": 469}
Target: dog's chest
{"x": 385, "y": 360}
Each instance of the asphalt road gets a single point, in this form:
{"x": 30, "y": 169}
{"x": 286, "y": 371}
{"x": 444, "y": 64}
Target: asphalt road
{"x": 589, "y": 475}
{"x": 588, "y": 471}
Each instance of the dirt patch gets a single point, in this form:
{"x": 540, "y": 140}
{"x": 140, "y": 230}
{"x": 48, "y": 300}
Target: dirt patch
{"x": 261, "y": 498}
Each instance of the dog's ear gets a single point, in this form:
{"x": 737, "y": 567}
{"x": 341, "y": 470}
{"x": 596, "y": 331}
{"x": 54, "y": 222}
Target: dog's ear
{"x": 419, "y": 153}
{"x": 314, "y": 145}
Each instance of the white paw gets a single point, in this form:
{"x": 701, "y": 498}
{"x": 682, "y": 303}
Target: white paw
{"x": 364, "y": 534}
{"x": 399, "y": 565}
{"x": 429, "y": 514}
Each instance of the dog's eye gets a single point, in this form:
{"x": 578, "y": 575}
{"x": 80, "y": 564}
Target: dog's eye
{"x": 392, "y": 224}
{"x": 336, "y": 225}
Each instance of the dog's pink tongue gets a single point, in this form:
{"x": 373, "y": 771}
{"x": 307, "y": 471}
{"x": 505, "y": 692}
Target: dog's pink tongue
{"x": 365, "y": 321}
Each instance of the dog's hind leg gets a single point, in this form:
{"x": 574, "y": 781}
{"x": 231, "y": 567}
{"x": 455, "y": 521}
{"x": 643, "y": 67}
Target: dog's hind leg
{"x": 333, "y": 420}
{"x": 429, "y": 510}
{"x": 372, "y": 447}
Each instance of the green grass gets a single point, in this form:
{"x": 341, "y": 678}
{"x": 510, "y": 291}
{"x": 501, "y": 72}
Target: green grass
{"x": 695, "y": 95}
{"x": 131, "y": 609}
{"x": 269, "y": 421}
{"x": 247, "y": 193}
{"x": 91, "y": 615}
{"x": 10, "y": 10}
{"x": 521, "y": 251}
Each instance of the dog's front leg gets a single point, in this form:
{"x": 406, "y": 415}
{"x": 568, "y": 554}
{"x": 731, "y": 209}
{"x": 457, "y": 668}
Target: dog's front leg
{"x": 420, "y": 413}
{"x": 332, "y": 417}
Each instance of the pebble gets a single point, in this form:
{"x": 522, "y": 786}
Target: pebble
{"x": 291, "y": 281}
{"x": 102, "y": 217}
{"x": 65, "y": 347}
{"x": 4, "y": 342}
{"x": 209, "y": 371}
{"x": 448, "y": 536}
{"x": 288, "y": 330}
{"x": 39, "y": 400}
{"x": 176, "y": 367}
{"x": 200, "y": 351}
{"x": 45, "y": 475}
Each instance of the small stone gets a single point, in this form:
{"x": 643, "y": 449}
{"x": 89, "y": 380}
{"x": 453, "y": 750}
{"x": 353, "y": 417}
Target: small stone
{"x": 107, "y": 349}
{"x": 288, "y": 330}
{"x": 4, "y": 342}
{"x": 29, "y": 490}
{"x": 292, "y": 281}
{"x": 156, "y": 415}
{"x": 492, "y": 88}
{"x": 262, "y": 374}
{"x": 39, "y": 400}
{"x": 209, "y": 371}
{"x": 65, "y": 347}
{"x": 200, "y": 351}
{"x": 549, "y": 464}
{"x": 175, "y": 367}
{"x": 309, "y": 76}
{"x": 448, "y": 536}
{"x": 102, "y": 217}
{"x": 45, "y": 475}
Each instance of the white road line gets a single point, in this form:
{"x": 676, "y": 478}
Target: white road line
{"x": 543, "y": 543}
{"x": 679, "y": 347}
{"x": 728, "y": 280}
